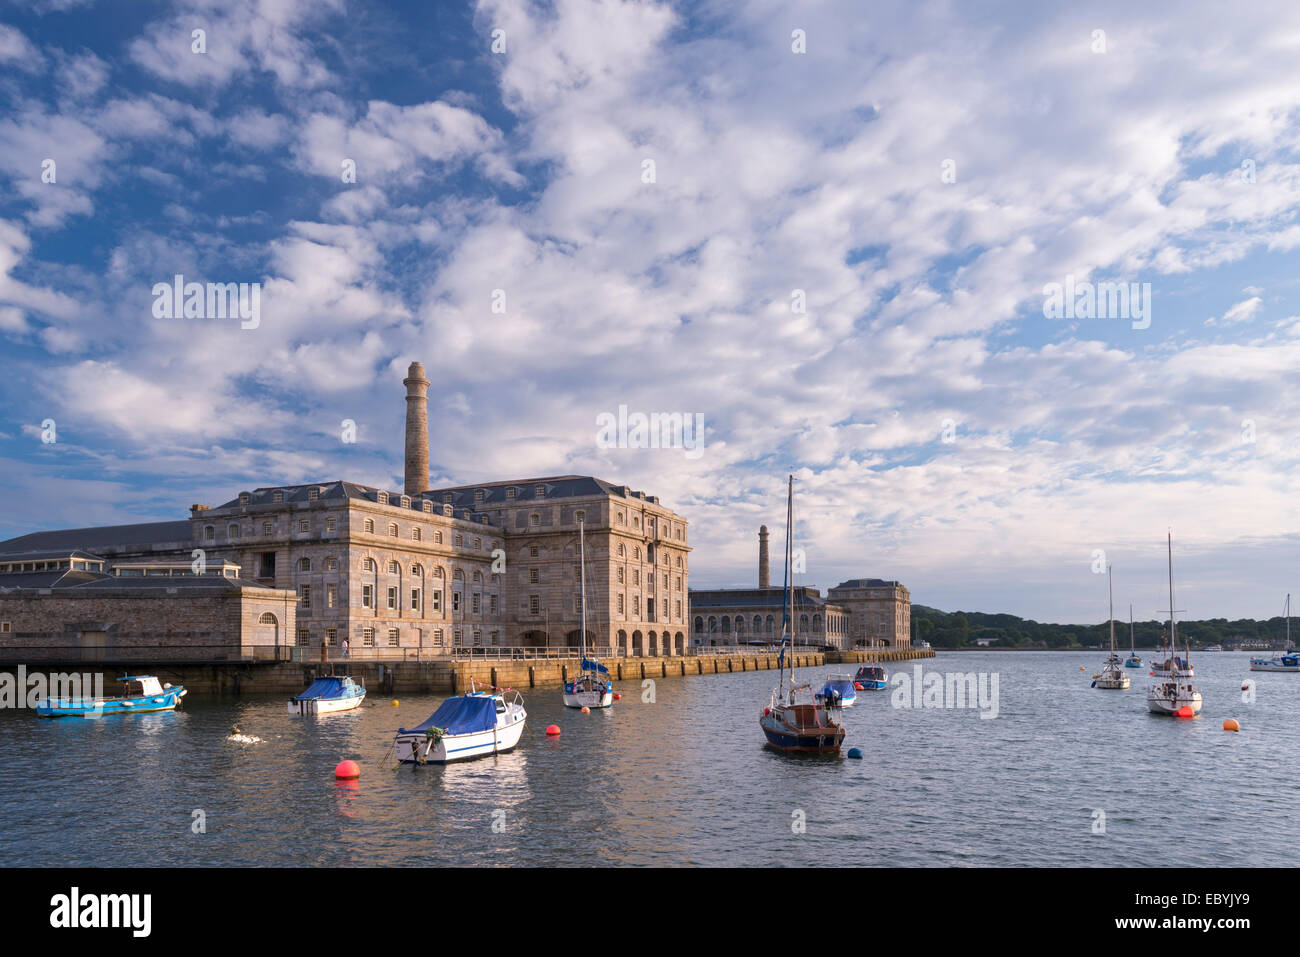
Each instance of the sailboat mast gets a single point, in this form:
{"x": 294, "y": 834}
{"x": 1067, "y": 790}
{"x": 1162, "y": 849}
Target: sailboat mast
{"x": 1173, "y": 637}
{"x": 1132, "y": 650}
{"x": 1110, "y": 590}
{"x": 1287, "y": 646}
{"x": 582, "y": 597}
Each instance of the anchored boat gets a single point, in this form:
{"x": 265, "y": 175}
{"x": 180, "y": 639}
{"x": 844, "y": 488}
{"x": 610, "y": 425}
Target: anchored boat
{"x": 838, "y": 692}
{"x": 1133, "y": 660}
{"x": 1172, "y": 690}
{"x": 141, "y": 694}
{"x": 871, "y": 678}
{"x": 327, "y": 695}
{"x": 788, "y": 723}
{"x": 468, "y": 726}
{"x": 1112, "y": 678}
{"x": 592, "y": 688}
{"x": 1288, "y": 660}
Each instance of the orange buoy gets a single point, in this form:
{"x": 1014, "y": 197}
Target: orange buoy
{"x": 1185, "y": 711}
{"x": 553, "y": 730}
{"x": 1231, "y": 725}
{"x": 586, "y": 710}
{"x": 857, "y": 686}
{"x": 347, "y": 771}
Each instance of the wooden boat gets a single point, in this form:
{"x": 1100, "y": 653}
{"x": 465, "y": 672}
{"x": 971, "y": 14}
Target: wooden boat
{"x": 141, "y": 694}
{"x": 788, "y": 723}
{"x": 328, "y": 695}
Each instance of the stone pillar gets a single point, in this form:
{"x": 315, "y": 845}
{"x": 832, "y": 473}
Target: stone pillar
{"x": 417, "y": 430}
{"x": 763, "y": 575}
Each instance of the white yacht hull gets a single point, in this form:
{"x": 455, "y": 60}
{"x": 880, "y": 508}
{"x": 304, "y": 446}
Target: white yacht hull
{"x": 1163, "y": 704}
{"x": 1271, "y": 666}
{"x": 588, "y": 699}
{"x": 420, "y": 749}
{"x": 325, "y": 705}
{"x": 1121, "y": 683}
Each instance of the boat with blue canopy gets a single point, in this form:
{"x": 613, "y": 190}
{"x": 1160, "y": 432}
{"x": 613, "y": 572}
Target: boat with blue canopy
{"x": 327, "y": 695}
{"x": 471, "y": 725}
{"x": 838, "y": 692}
{"x": 1288, "y": 660}
{"x": 141, "y": 694}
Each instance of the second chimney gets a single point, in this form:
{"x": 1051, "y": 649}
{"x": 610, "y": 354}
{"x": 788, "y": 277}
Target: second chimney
{"x": 764, "y": 580}
{"x": 417, "y": 430}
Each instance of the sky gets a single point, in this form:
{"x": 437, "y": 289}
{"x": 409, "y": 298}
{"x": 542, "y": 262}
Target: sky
{"x": 828, "y": 230}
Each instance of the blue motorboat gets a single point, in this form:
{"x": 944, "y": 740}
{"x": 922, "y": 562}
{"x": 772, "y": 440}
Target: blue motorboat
{"x": 838, "y": 692}
{"x": 141, "y": 694}
{"x": 327, "y": 695}
{"x": 871, "y": 678}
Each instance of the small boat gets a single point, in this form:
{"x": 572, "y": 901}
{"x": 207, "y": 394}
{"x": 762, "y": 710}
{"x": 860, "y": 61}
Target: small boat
{"x": 838, "y": 692}
{"x": 1288, "y": 660}
{"x": 141, "y": 694}
{"x": 1112, "y": 678}
{"x": 1173, "y": 692}
{"x": 788, "y": 723}
{"x": 1133, "y": 660}
{"x": 592, "y": 688}
{"x": 467, "y": 726}
{"x": 871, "y": 678}
{"x": 327, "y": 695}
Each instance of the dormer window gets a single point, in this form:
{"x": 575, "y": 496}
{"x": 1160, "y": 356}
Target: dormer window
{"x": 539, "y": 491}
{"x": 426, "y": 505}
{"x": 406, "y": 501}
{"x": 244, "y": 498}
{"x": 446, "y": 510}
{"x": 277, "y": 497}
{"x": 510, "y": 492}
{"x": 381, "y": 498}
{"x": 313, "y": 494}
{"x": 446, "y": 496}
{"x": 479, "y": 495}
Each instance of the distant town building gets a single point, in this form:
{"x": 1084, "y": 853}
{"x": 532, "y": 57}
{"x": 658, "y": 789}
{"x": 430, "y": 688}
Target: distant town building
{"x": 856, "y": 614}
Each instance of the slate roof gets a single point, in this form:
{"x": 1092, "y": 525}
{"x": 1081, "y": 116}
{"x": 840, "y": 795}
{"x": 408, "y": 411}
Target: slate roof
{"x": 66, "y": 540}
{"x": 556, "y": 486}
{"x": 866, "y": 583}
{"x": 753, "y": 597}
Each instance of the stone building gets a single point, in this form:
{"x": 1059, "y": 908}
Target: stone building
{"x": 859, "y": 613}
{"x": 423, "y": 571}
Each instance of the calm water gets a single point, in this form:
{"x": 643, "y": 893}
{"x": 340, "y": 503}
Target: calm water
{"x": 684, "y": 780}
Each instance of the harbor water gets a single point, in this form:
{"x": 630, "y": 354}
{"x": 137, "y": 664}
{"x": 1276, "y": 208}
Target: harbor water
{"x": 676, "y": 773}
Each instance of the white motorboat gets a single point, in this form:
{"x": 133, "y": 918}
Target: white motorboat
{"x": 468, "y": 726}
{"x": 328, "y": 695}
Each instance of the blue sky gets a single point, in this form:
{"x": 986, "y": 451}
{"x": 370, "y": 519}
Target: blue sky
{"x": 522, "y": 170}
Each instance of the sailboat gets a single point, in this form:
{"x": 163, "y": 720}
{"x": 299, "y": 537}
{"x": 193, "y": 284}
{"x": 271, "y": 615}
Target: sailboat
{"x": 592, "y": 687}
{"x": 1133, "y": 660}
{"x": 1112, "y": 677}
{"x": 1288, "y": 660}
{"x": 1172, "y": 691}
{"x": 794, "y": 720}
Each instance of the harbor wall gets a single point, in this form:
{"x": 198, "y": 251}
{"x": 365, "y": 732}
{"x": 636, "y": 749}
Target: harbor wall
{"x": 451, "y": 676}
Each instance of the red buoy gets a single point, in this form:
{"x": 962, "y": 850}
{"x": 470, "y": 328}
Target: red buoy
{"x": 766, "y": 712}
{"x": 347, "y": 771}
{"x": 1185, "y": 711}
{"x": 857, "y": 686}
{"x": 553, "y": 730}
{"x": 617, "y": 696}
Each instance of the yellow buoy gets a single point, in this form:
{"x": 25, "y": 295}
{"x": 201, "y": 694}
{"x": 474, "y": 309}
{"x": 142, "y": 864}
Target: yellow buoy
{"x": 1231, "y": 725}
{"x": 394, "y": 702}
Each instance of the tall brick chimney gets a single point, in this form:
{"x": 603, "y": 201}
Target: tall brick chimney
{"x": 763, "y": 576}
{"x": 417, "y": 430}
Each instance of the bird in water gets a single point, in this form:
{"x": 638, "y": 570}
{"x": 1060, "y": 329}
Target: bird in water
{"x": 241, "y": 738}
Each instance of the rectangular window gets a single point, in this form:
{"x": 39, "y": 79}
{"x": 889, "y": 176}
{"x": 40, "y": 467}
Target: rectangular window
{"x": 534, "y": 604}
{"x": 304, "y": 525}
{"x": 329, "y": 524}
{"x": 392, "y": 598}
{"x": 437, "y": 636}
{"x": 331, "y": 596}
{"x": 665, "y": 609}
{"x": 620, "y": 574}
{"x": 393, "y": 639}
{"x": 620, "y": 604}
{"x": 455, "y": 601}
{"x": 474, "y": 603}
{"x": 678, "y": 616}
{"x": 437, "y": 601}
{"x": 367, "y": 596}
{"x": 415, "y": 599}
{"x": 331, "y": 636}
{"x": 266, "y": 528}
{"x": 304, "y": 637}
{"x": 331, "y": 564}
{"x": 304, "y": 596}
{"x": 534, "y": 576}
{"x": 368, "y": 637}
{"x": 5, "y": 627}
{"x": 492, "y": 604}
{"x": 478, "y": 637}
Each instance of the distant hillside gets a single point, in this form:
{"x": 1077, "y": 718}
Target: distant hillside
{"x": 965, "y": 629}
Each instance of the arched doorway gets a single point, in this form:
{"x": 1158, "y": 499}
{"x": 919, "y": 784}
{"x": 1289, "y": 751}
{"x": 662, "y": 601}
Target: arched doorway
{"x": 638, "y": 648}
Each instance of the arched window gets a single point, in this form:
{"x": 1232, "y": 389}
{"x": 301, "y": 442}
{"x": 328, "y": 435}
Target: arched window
{"x": 392, "y": 529}
{"x": 417, "y": 571}
{"x": 415, "y": 533}
{"x": 726, "y": 625}
{"x": 368, "y": 564}
{"x": 266, "y": 618}
{"x": 458, "y": 575}
{"x": 699, "y": 623}
{"x": 758, "y": 623}
{"x": 369, "y": 525}
{"x": 209, "y": 533}
{"x": 394, "y": 568}
{"x": 232, "y": 531}
{"x": 769, "y": 624}
{"x": 622, "y": 552}
{"x": 437, "y": 571}
{"x": 740, "y": 625}
{"x": 478, "y": 576}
